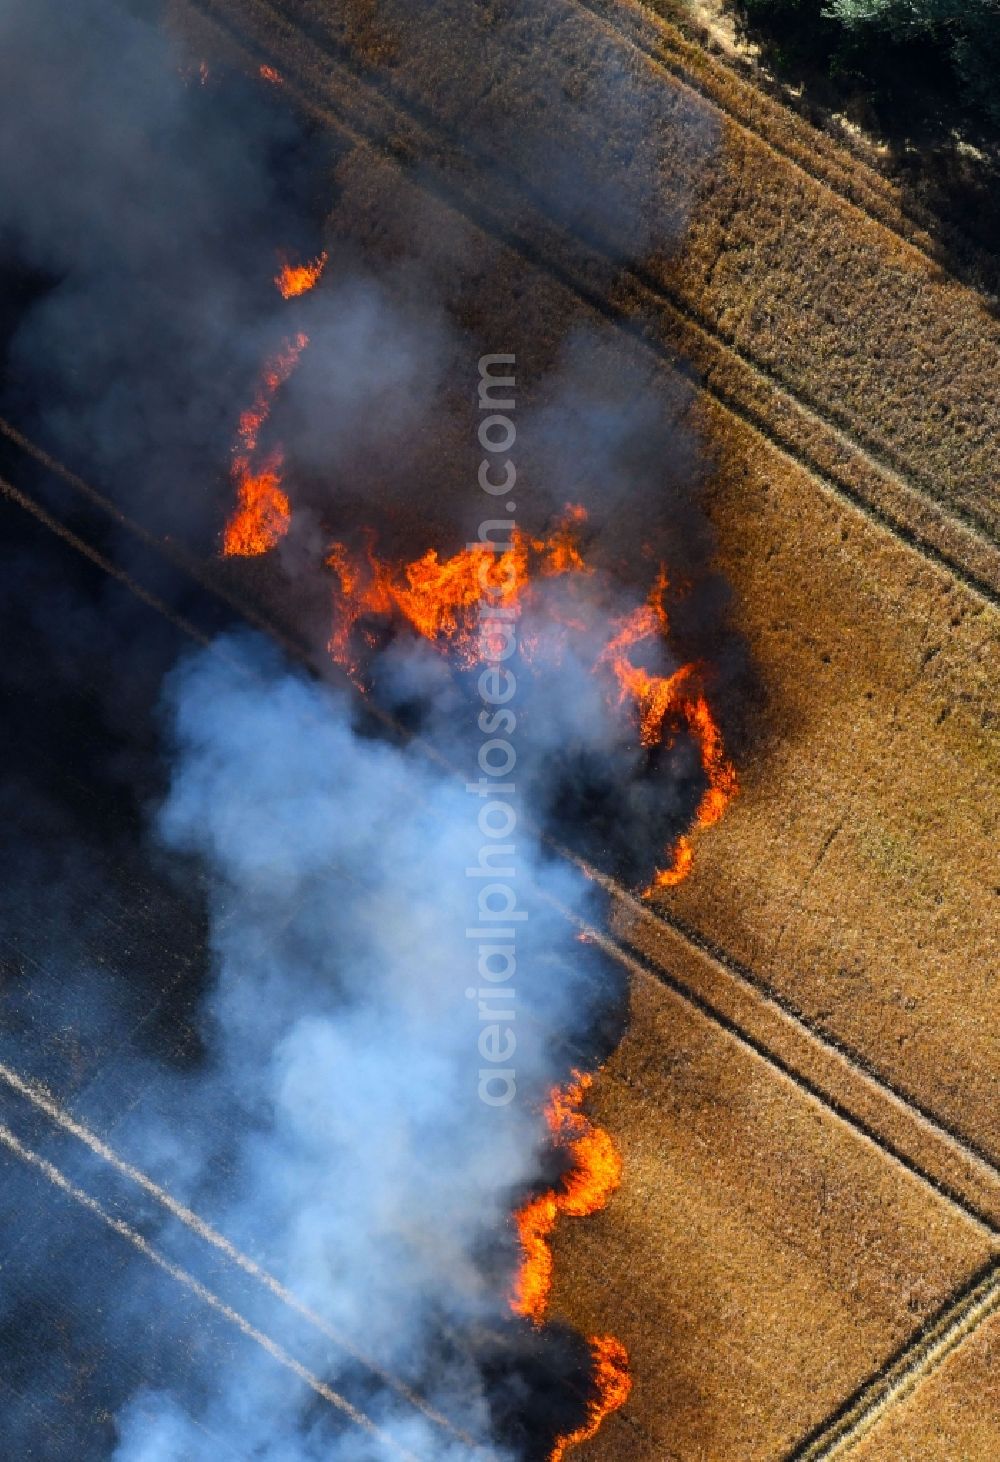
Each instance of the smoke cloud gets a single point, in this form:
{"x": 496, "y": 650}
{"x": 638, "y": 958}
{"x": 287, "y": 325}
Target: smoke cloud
{"x": 333, "y": 1128}
{"x": 311, "y": 1085}
{"x": 358, "y": 1159}
{"x": 143, "y": 211}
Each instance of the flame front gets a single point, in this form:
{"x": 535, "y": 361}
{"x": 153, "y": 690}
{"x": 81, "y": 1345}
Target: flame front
{"x": 595, "y": 1172}
{"x": 263, "y": 512}
{"x": 614, "y": 1386}
{"x": 440, "y": 598}
{"x": 663, "y": 702}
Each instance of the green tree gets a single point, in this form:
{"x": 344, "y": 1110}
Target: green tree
{"x": 969, "y": 30}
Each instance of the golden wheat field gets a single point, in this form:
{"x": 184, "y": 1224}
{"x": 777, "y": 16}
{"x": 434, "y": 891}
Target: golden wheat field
{"x": 806, "y": 1095}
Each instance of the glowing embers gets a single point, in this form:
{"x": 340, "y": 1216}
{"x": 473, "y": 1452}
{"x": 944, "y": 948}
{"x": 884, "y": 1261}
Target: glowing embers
{"x": 593, "y": 1175}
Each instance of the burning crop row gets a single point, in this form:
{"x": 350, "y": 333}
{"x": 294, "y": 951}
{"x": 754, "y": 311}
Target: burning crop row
{"x": 593, "y": 1175}
{"x": 263, "y": 512}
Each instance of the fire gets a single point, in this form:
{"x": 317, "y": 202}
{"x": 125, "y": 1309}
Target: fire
{"x": 678, "y": 868}
{"x": 262, "y": 515}
{"x": 614, "y": 1386}
{"x": 268, "y": 73}
{"x": 594, "y": 1174}
{"x": 561, "y": 553}
{"x": 439, "y": 598}
{"x": 662, "y": 703}
{"x": 295, "y": 279}
{"x": 263, "y": 512}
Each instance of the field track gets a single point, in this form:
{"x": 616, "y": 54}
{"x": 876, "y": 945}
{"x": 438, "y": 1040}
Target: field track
{"x": 816, "y": 154}
{"x": 662, "y": 954}
{"x": 840, "y": 457}
{"x": 976, "y": 1303}
{"x": 733, "y": 996}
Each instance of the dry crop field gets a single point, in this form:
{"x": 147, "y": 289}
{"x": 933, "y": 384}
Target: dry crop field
{"x": 802, "y": 1258}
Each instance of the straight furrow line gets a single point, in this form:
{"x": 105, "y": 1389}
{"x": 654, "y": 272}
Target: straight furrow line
{"x": 927, "y": 1350}
{"x": 638, "y": 963}
{"x": 885, "y": 496}
{"x": 43, "y": 1102}
{"x": 195, "y": 1287}
{"x": 973, "y": 1186}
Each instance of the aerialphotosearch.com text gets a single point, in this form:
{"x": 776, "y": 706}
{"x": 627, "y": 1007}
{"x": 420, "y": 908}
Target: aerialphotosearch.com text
{"x": 499, "y": 921}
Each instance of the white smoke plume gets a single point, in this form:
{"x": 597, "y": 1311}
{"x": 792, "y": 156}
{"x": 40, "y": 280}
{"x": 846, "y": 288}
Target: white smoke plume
{"x": 323, "y": 1108}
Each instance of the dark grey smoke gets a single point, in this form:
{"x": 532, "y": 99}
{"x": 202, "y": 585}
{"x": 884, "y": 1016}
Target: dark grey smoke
{"x": 147, "y": 209}
{"x": 310, "y": 1085}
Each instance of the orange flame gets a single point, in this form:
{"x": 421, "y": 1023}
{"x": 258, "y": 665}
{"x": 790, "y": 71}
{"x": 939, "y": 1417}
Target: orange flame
{"x": 595, "y": 1173}
{"x": 440, "y": 598}
{"x": 678, "y": 868}
{"x": 263, "y": 512}
{"x": 661, "y": 702}
{"x": 295, "y": 279}
{"x": 614, "y": 1386}
{"x": 268, "y": 73}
